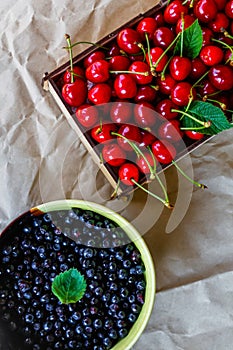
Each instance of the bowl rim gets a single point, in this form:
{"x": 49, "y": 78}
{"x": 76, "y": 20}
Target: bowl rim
{"x": 143, "y": 318}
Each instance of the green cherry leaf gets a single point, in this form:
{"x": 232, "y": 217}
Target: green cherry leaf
{"x": 69, "y": 286}
{"x": 192, "y": 41}
{"x": 206, "y": 112}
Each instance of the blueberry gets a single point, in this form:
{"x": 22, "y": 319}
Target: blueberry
{"x": 7, "y": 250}
{"x": 132, "y": 317}
{"x": 136, "y": 308}
{"x": 69, "y": 334}
{"x": 123, "y": 332}
{"x": 97, "y": 323}
{"x": 36, "y": 326}
{"x": 113, "y": 334}
{"x": 86, "y": 321}
{"x": 107, "y": 342}
{"x": 79, "y": 330}
{"x": 39, "y": 314}
{"x": 29, "y": 318}
{"x": 141, "y": 285}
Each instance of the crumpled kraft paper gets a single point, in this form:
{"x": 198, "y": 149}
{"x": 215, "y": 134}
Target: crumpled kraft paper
{"x": 41, "y": 159}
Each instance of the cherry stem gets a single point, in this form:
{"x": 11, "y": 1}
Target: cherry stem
{"x": 190, "y": 3}
{"x": 182, "y": 35}
{"x": 86, "y": 42}
{"x": 200, "y": 79}
{"x": 128, "y": 72}
{"x": 198, "y": 184}
{"x": 227, "y": 35}
{"x": 113, "y": 195}
{"x": 157, "y": 177}
{"x": 165, "y": 51}
{"x": 221, "y": 104}
{"x": 67, "y": 37}
{"x": 148, "y": 50}
{"x": 166, "y": 203}
{"x": 75, "y": 74}
{"x": 198, "y": 128}
{"x": 155, "y": 87}
{"x": 143, "y": 50}
{"x": 165, "y": 67}
{"x": 206, "y": 124}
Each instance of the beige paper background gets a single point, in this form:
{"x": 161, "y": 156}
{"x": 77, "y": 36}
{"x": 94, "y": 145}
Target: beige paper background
{"x": 41, "y": 159}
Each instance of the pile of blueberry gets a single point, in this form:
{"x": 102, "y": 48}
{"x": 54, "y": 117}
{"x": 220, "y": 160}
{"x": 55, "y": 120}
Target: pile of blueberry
{"x": 35, "y": 249}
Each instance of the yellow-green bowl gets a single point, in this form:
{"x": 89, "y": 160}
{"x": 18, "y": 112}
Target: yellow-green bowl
{"x": 133, "y": 235}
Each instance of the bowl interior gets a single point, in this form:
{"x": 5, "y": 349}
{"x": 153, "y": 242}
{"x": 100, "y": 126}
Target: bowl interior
{"x": 133, "y": 235}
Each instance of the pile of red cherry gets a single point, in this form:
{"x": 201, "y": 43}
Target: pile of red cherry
{"x": 130, "y": 97}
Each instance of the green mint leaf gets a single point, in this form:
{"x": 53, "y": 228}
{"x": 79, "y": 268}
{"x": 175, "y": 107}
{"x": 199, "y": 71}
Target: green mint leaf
{"x": 206, "y": 112}
{"x": 192, "y": 41}
{"x": 69, "y": 286}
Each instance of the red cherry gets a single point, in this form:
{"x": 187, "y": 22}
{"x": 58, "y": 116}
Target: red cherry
{"x": 206, "y": 88}
{"x": 180, "y": 67}
{"x": 229, "y": 9}
{"x": 145, "y": 115}
{"x": 211, "y": 55}
{"x": 225, "y": 39}
{"x": 228, "y": 57}
{"x": 130, "y": 132}
{"x": 159, "y": 19}
{"x": 127, "y": 172}
{"x": 100, "y": 93}
{"x": 207, "y": 35}
{"x": 163, "y": 37}
{"x": 121, "y": 112}
{"x": 164, "y": 108}
{"x": 221, "y": 77}
{"x": 155, "y": 54}
{"x": 128, "y": 39}
{"x": 118, "y": 63}
{"x": 180, "y": 94}
{"x": 103, "y": 133}
{"x": 142, "y": 163}
{"x": 147, "y": 25}
{"x": 75, "y": 94}
{"x": 141, "y": 67}
{"x": 170, "y": 131}
{"x": 87, "y": 115}
{"x": 145, "y": 93}
{"x": 114, "y": 50}
{"x": 164, "y": 151}
{"x": 166, "y": 84}
{"x": 79, "y": 72}
{"x": 125, "y": 86}
{"x": 194, "y": 135}
{"x": 184, "y": 23}
{"x": 231, "y": 28}
{"x": 198, "y": 68}
{"x": 219, "y": 23}
{"x": 220, "y": 4}
{"x": 92, "y": 57}
{"x": 147, "y": 138}
{"x": 174, "y": 10}
{"x": 98, "y": 71}
{"x": 205, "y": 10}
{"x": 113, "y": 154}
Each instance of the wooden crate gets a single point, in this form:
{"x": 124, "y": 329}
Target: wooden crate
{"x": 52, "y": 82}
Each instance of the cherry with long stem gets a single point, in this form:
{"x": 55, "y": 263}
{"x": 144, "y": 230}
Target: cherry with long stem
{"x": 153, "y": 173}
